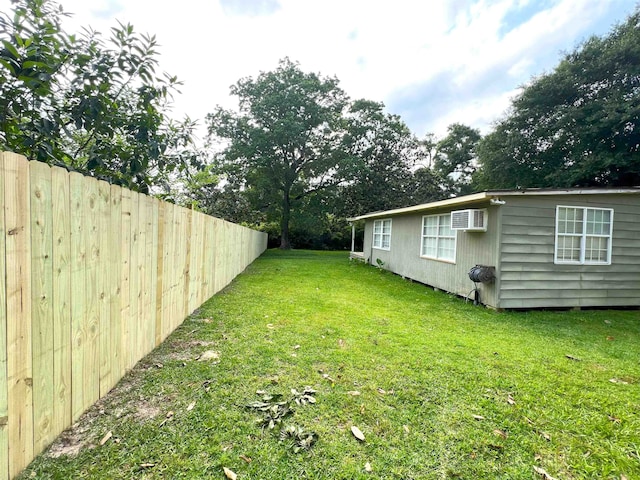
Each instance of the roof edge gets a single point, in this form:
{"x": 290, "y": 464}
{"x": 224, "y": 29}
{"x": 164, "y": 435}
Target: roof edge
{"x": 488, "y": 195}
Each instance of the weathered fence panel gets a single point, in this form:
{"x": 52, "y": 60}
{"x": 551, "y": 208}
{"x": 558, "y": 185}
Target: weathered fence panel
{"x": 92, "y": 278}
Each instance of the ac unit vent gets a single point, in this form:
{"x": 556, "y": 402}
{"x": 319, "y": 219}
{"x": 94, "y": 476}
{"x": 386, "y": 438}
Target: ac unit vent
{"x": 472, "y": 220}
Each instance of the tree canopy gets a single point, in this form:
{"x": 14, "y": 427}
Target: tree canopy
{"x": 576, "y": 126}
{"x": 283, "y": 144}
{"x": 88, "y": 103}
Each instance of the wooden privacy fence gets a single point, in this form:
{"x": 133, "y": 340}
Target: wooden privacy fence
{"x": 92, "y": 277}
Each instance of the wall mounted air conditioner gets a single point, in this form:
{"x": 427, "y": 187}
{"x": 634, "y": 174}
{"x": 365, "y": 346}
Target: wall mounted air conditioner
{"x": 472, "y": 220}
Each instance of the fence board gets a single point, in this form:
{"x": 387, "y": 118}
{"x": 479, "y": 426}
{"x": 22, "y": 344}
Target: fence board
{"x": 78, "y": 288}
{"x": 125, "y": 280}
{"x": 91, "y": 359}
{"x": 18, "y": 298}
{"x": 41, "y": 304}
{"x": 61, "y": 299}
{"x": 4, "y": 410}
{"x": 134, "y": 281}
{"x": 103, "y": 286}
{"x": 92, "y": 278}
{"x": 160, "y": 274}
{"x": 115, "y": 267}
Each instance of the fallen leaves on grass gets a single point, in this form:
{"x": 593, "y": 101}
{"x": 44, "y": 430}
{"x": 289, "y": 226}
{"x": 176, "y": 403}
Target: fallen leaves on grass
{"x": 367, "y": 467}
{"x": 357, "y": 433}
{"x": 304, "y": 397}
{"x": 147, "y": 465}
{"x": 543, "y": 473}
{"x": 613, "y": 419}
{"x": 245, "y": 458}
{"x": 327, "y": 377}
{"x": 106, "y": 438}
{"x": 209, "y": 355}
{"x": 353, "y": 393}
{"x": 230, "y": 474}
{"x": 617, "y": 380}
{"x": 406, "y": 428}
{"x": 571, "y": 357}
{"x": 500, "y": 433}
{"x": 478, "y": 417}
{"x": 190, "y": 406}
{"x": 301, "y": 440}
{"x": 510, "y": 400}
{"x": 167, "y": 418}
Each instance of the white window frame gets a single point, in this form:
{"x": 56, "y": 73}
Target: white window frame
{"x": 583, "y": 236}
{"x": 380, "y": 236}
{"x": 443, "y": 219}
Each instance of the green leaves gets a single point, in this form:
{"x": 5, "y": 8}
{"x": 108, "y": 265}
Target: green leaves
{"x": 93, "y": 104}
{"x": 576, "y": 126}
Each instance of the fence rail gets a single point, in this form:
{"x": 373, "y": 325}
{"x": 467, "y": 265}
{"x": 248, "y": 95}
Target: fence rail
{"x": 92, "y": 277}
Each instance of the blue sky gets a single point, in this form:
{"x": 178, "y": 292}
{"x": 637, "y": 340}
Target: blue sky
{"x": 433, "y": 62}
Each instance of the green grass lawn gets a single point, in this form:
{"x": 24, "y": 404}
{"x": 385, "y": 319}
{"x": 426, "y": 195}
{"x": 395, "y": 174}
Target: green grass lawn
{"x": 446, "y": 389}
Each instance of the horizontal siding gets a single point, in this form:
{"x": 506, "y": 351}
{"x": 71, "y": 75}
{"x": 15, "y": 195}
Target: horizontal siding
{"x": 530, "y": 279}
{"x": 404, "y": 259}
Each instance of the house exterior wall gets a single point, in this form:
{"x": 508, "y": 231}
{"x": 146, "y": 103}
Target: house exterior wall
{"x": 530, "y": 279}
{"x": 403, "y": 258}
{"x": 520, "y": 243}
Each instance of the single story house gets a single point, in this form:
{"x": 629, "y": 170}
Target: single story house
{"x": 538, "y": 248}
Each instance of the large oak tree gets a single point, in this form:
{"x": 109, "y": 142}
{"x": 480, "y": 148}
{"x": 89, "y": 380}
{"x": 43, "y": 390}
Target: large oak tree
{"x": 283, "y": 144}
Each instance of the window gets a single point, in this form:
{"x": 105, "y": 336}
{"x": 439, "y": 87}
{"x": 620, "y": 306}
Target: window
{"x": 382, "y": 234}
{"x": 583, "y": 235}
{"x": 438, "y": 240}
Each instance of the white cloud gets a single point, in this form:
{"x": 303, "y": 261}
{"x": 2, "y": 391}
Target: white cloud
{"x": 381, "y": 50}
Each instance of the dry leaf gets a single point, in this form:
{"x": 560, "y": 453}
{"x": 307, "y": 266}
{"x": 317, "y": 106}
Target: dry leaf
{"x": 529, "y": 421}
{"x": 296, "y": 347}
{"x": 510, "y": 400}
{"x": 610, "y": 338}
{"x": 613, "y": 419}
{"x": 500, "y": 433}
{"x": 147, "y": 465}
{"x": 357, "y": 433}
{"x": 571, "y": 357}
{"x": 190, "y": 406}
{"x": 546, "y": 436}
{"x": 381, "y": 391}
{"x": 478, "y": 417}
{"x": 168, "y": 417}
{"x": 106, "y": 438}
{"x": 245, "y": 458}
{"x": 367, "y": 467}
{"x": 623, "y": 477}
{"x": 617, "y": 380}
{"x": 270, "y": 325}
{"x": 543, "y": 473}
{"x": 230, "y": 474}
{"x": 405, "y": 428}
{"x": 209, "y": 355}
{"x": 362, "y": 409}
{"x": 608, "y": 322}
{"x": 327, "y": 377}
{"x": 341, "y": 343}
{"x": 354, "y": 393}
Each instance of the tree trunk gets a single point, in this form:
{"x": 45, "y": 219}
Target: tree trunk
{"x": 284, "y": 222}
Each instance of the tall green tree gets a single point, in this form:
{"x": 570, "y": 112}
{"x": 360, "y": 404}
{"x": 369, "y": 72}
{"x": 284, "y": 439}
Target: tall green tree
{"x": 383, "y": 151}
{"x": 576, "y": 126}
{"x": 88, "y": 103}
{"x": 284, "y": 142}
{"x": 456, "y": 158}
